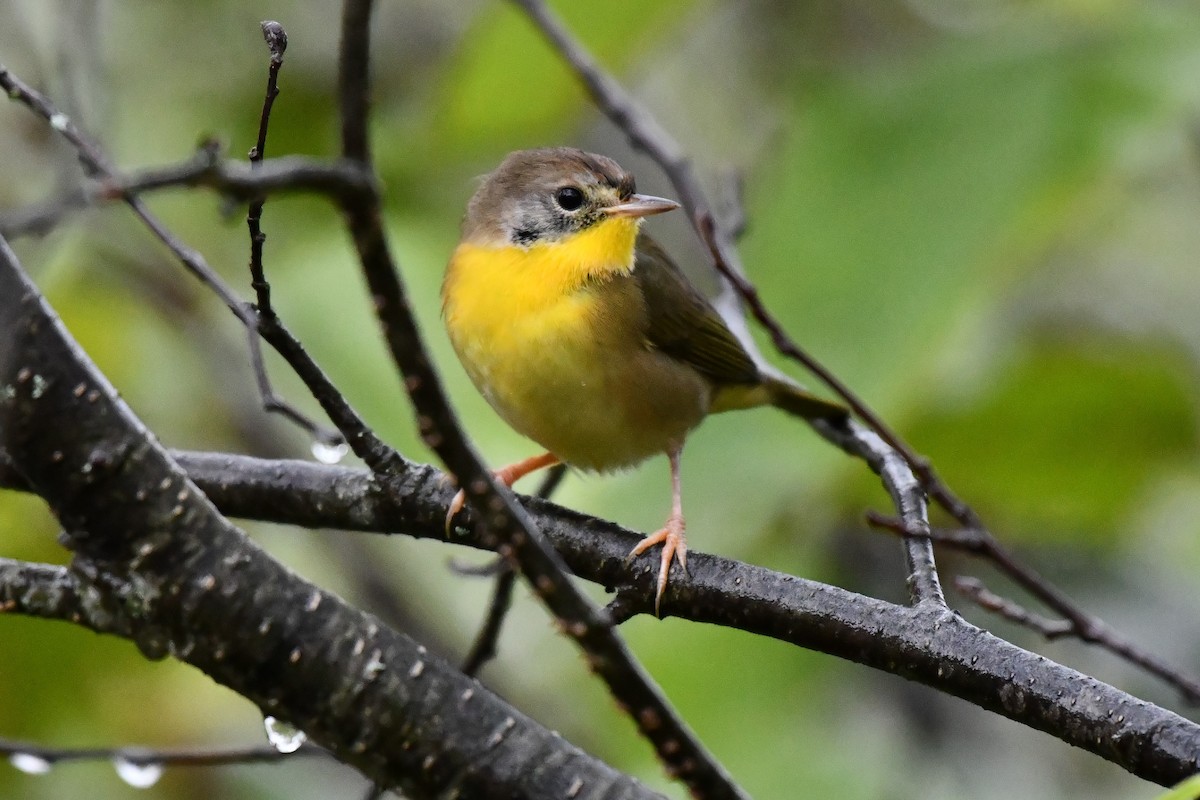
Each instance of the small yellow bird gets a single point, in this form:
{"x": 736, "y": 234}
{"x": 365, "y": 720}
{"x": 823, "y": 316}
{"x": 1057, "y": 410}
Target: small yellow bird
{"x": 583, "y": 334}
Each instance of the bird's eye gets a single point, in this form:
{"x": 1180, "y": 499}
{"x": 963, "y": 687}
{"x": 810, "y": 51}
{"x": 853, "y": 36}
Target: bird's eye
{"x": 568, "y": 198}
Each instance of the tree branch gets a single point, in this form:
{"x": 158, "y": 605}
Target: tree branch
{"x": 96, "y": 163}
{"x": 276, "y": 39}
{"x": 51, "y": 592}
{"x": 922, "y": 643}
{"x": 234, "y": 179}
{"x": 150, "y": 756}
{"x": 191, "y": 585}
{"x": 498, "y": 517}
{"x": 484, "y": 647}
{"x": 1076, "y": 622}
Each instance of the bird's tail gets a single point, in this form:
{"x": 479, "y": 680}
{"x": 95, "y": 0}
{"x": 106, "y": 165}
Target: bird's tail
{"x": 787, "y": 396}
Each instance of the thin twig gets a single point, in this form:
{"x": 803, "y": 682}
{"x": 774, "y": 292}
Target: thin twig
{"x": 483, "y": 649}
{"x": 974, "y": 590}
{"x": 166, "y": 757}
{"x": 706, "y": 224}
{"x": 906, "y": 490}
{"x": 276, "y": 39}
{"x": 497, "y": 513}
{"x": 361, "y": 439}
{"x": 1081, "y": 624}
{"x": 235, "y": 180}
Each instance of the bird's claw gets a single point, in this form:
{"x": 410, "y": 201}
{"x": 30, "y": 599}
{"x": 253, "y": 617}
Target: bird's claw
{"x": 505, "y": 476}
{"x": 674, "y": 542}
{"x": 456, "y": 505}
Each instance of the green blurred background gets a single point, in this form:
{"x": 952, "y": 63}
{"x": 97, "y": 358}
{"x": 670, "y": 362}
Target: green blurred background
{"x": 982, "y": 215}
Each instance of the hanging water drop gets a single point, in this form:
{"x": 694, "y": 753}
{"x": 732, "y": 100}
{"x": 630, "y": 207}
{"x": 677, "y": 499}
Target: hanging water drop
{"x": 329, "y": 453}
{"x": 138, "y": 774}
{"x": 30, "y": 764}
{"x": 283, "y": 737}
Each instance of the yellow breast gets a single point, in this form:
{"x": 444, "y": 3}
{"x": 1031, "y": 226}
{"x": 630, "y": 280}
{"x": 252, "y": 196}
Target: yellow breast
{"x": 551, "y": 335}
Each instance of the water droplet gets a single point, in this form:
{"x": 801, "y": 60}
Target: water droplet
{"x": 284, "y": 737}
{"x": 139, "y": 775}
{"x": 30, "y": 764}
{"x": 329, "y": 453}
{"x": 59, "y": 121}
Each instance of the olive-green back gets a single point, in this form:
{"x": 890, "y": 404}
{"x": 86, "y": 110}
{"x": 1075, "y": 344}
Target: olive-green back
{"x": 682, "y": 323}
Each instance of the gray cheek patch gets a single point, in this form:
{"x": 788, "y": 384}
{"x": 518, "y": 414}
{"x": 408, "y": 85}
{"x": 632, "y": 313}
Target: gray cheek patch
{"x": 538, "y": 219}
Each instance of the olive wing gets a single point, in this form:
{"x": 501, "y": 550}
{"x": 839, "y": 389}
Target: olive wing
{"x": 683, "y": 324}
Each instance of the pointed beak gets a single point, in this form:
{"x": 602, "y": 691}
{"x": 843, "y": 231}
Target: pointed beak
{"x": 641, "y": 205}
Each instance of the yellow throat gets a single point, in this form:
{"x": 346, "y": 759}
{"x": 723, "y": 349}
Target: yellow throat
{"x": 490, "y": 284}
{"x": 545, "y": 333}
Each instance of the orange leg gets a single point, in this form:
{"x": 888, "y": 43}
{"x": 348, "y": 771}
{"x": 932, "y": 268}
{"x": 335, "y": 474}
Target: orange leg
{"x": 671, "y": 535}
{"x": 505, "y": 475}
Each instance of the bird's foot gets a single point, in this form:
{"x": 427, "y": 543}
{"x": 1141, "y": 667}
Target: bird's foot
{"x": 503, "y": 476}
{"x": 506, "y": 477}
{"x": 456, "y": 505}
{"x": 674, "y": 542}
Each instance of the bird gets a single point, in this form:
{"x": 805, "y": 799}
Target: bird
{"x": 585, "y": 336}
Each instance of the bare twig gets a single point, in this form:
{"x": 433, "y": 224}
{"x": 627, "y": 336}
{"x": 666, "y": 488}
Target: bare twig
{"x": 153, "y": 756}
{"x": 891, "y": 464}
{"x": 236, "y": 180}
{"x": 646, "y": 134}
{"x": 1079, "y": 623}
{"x": 484, "y": 647}
{"x": 361, "y": 439}
{"x": 96, "y": 163}
{"x": 500, "y": 518}
{"x": 276, "y": 38}
{"x": 974, "y": 590}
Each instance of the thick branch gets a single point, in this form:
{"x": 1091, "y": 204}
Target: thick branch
{"x": 191, "y": 585}
{"x": 922, "y": 643}
{"x": 51, "y": 592}
{"x": 939, "y": 650}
